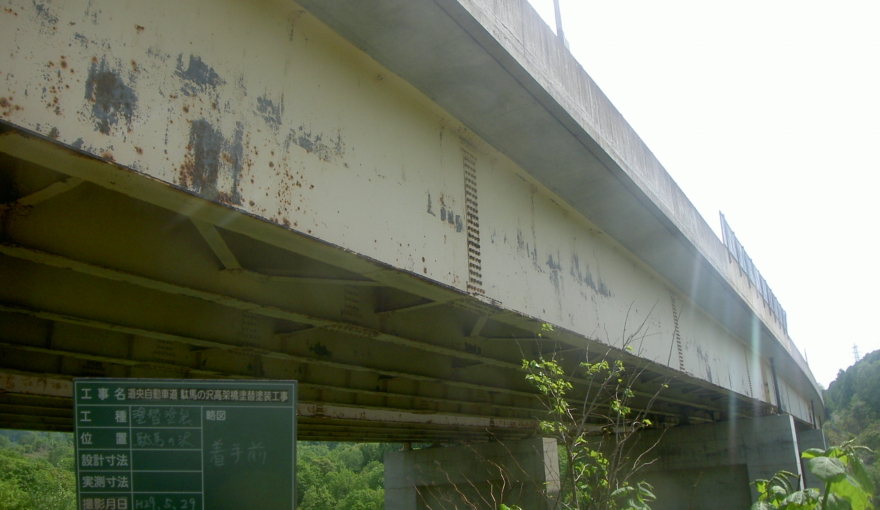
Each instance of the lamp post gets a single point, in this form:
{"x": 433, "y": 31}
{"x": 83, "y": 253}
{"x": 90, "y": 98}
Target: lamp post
{"x": 559, "y": 32}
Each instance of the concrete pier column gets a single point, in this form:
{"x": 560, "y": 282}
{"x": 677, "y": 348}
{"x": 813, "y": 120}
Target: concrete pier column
{"x": 479, "y": 476}
{"x": 811, "y": 438}
{"x": 711, "y": 466}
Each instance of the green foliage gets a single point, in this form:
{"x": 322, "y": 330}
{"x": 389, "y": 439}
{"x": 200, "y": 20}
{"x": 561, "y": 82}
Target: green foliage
{"x": 548, "y": 377}
{"x": 37, "y": 473}
{"x": 847, "y": 483}
{"x": 634, "y": 498}
{"x": 860, "y": 381}
{"x": 595, "y": 470}
{"x": 853, "y": 405}
{"x": 28, "y": 483}
{"x": 346, "y": 476}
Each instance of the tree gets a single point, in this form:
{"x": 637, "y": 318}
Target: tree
{"x": 596, "y": 471}
{"x": 595, "y": 431}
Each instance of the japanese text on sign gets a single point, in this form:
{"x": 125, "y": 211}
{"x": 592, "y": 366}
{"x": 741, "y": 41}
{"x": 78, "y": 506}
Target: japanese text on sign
{"x": 182, "y": 444}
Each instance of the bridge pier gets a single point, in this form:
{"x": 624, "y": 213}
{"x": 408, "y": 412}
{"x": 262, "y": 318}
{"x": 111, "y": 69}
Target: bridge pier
{"x": 524, "y": 473}
{"x": 711, "y": 466}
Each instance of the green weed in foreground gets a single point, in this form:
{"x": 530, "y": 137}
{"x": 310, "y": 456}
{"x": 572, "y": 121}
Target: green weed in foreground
{"x": 847, "y": 484}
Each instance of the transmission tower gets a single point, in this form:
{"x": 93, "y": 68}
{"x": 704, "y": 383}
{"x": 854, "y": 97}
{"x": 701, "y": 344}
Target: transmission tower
{"x": 856, "y": 352}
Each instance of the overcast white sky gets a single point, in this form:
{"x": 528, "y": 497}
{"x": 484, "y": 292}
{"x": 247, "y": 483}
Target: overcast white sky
{"x": 768, "y": 111}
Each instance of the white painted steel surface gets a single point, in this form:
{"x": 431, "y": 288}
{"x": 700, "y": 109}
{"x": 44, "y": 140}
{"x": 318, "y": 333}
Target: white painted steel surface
{"x": 261, "y": 107}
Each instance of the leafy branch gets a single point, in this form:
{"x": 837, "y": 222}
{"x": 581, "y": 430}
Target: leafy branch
{"x": 594, "y": 432}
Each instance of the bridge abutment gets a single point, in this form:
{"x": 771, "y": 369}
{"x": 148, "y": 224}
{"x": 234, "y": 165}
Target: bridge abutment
{"x": 524, "y": 473}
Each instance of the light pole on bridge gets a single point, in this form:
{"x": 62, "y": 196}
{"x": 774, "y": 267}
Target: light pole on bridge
{"x": 559, "y": 32}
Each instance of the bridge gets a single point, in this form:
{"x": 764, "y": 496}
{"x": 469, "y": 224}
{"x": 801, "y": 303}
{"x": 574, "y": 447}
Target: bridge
{"x": 382, "y": 200}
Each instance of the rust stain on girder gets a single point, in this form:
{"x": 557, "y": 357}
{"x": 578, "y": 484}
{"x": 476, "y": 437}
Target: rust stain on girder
{"x": 7, "y": 106}
{"x": 30, "y": 385}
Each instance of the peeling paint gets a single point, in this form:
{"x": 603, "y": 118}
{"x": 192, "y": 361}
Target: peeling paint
{"x": 524, "y": 248}
{"x": 556, "y": 279}
{"x": 44, "y": 14}
{"x": 557, "y": 287}
{"x": 315, "y": 144}
{"x": 198, "y": 77}
{"x": 320, "y": 350}
{"x": 211, "y": 157}
{"x": 156, "y": 52}
{"x": 704, "y": 358}
{"x": 110, "y": 97}
{"x": 586, "y": 277}
{"x": 92, "y": 12}
{"x": 446, "y": 215}
{"x": 270, "y": 111}
{"x": 82, "y": 40}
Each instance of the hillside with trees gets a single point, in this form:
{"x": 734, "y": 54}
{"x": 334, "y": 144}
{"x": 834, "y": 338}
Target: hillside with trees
{"x": 36, "y": 471}
{"x": 344, "y": 476}
{"x": 852, "y": 403}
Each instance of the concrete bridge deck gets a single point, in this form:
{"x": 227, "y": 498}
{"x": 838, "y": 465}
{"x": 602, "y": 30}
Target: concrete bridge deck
{"x": 382, "y": 200}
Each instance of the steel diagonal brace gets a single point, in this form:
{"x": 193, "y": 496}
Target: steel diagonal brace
{"x": 58, "y": 261}
{"x": 41, "y": 195}
{"x": 231, "y": 264}
{"x": 210, "y": 344}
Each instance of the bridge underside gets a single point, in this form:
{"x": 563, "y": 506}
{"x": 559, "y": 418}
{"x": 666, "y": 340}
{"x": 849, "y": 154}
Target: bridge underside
{"x": 108, "y": 273}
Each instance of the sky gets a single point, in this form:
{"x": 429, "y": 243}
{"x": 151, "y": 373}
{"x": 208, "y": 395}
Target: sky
{"x": 768, "y": 111}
